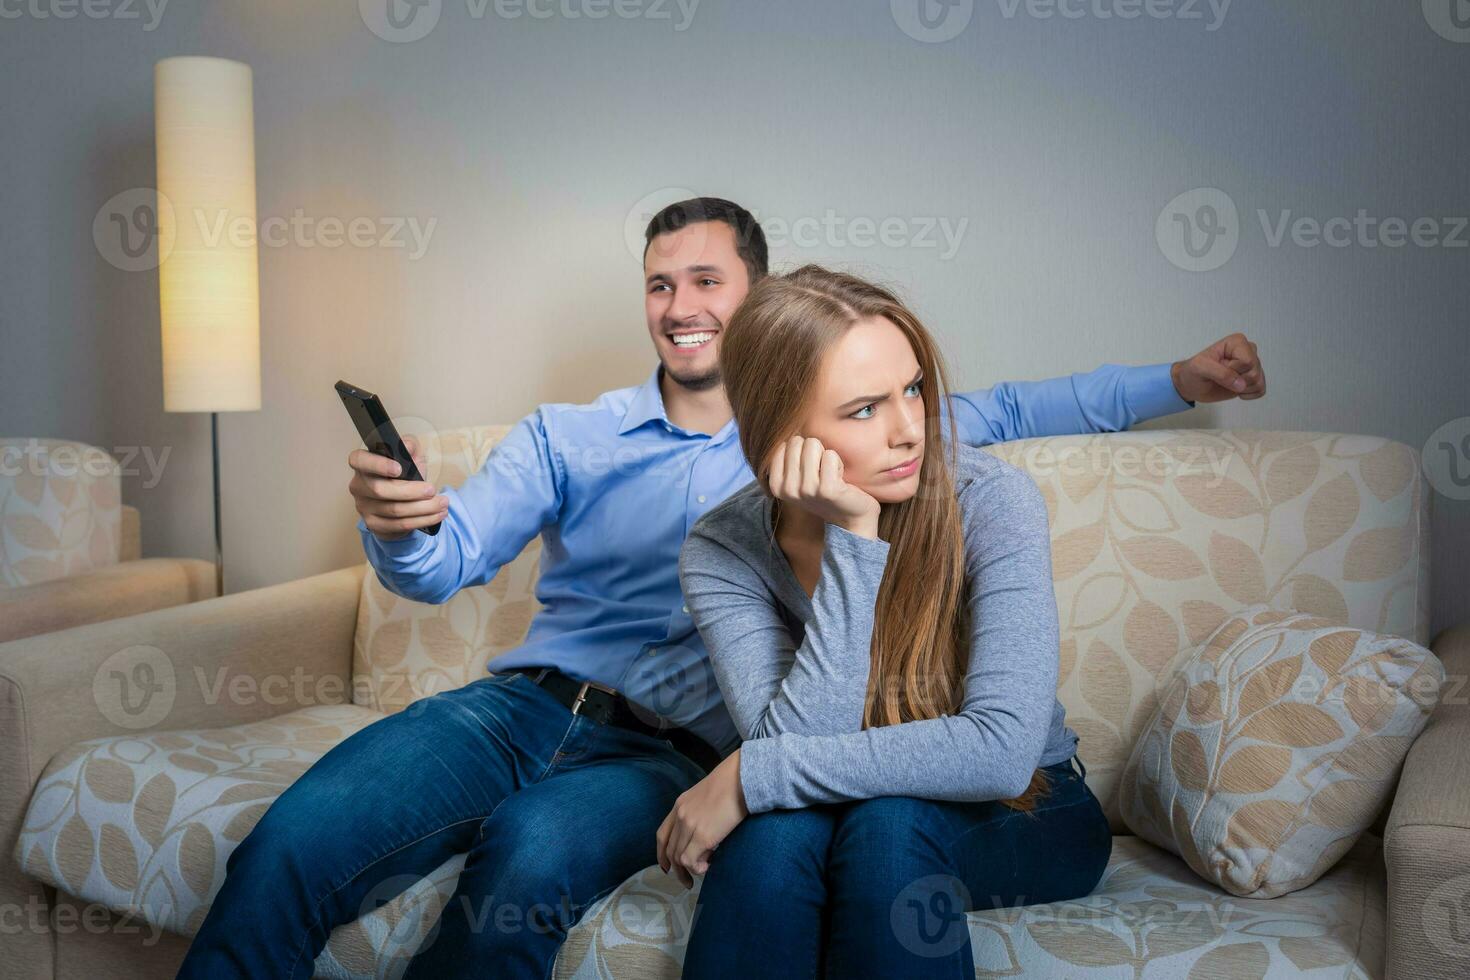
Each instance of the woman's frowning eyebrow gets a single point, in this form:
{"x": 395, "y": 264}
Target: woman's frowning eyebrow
{"x": 869, "y": 399}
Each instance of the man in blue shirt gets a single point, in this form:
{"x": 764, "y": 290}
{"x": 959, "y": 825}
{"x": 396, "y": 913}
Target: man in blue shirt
{"x": 553, "y": 773}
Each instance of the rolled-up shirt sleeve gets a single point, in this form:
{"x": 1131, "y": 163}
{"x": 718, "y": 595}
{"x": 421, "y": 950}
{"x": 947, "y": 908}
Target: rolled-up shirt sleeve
{"x": 492, "y": 516}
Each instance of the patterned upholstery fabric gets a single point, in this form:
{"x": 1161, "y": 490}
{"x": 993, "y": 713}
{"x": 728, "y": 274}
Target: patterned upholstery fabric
{"x": 1274, "y": 745}
{"x": 405, "y": 650}
{"x": 145, "y": 823}
{"x": 1157, "y": 535}
{"x": 1149, "y": 918}
{"x": 60, "y": 509}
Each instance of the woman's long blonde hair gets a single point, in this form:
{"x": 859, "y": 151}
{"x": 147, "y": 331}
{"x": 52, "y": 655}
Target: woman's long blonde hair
{"x": 770, "y": 358}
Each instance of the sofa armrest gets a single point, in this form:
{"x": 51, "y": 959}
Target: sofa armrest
{"x": 111, "y": 592}
{"x": 130, "y": 535}
{"x": 47, "y": 698}
{"x": 1426, "y": 842}
{"x": 270, "y": 637}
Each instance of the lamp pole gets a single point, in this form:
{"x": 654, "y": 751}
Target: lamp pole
{"x": 219, "y": 550}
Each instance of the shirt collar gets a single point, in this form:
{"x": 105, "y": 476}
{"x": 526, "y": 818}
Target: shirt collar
{"x": 647, "y": 404}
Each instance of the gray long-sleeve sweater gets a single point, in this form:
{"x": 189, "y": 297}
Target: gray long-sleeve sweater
{"x": 793, "y": 668}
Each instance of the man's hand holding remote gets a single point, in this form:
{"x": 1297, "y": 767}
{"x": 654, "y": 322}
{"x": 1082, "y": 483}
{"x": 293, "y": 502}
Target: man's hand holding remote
{"x": 392, "y": 508}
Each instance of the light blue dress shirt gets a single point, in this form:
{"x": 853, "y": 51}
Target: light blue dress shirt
{"x": 613, "y": 488}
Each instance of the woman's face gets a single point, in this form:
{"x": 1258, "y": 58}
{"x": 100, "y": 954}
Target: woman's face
{"x": 869, "y": 406}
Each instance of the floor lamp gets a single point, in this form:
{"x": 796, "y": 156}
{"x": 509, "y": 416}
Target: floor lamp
{"x": 209, "y": 297}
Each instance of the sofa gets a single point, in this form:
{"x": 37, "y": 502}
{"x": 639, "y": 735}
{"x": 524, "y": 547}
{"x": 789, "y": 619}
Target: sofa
{"x": 145, "y": 748}
{"x": 71, "y": 550}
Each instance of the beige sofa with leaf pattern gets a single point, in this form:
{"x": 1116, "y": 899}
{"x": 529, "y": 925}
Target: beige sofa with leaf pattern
{"x": 71, "y": 550}
{"x": 123, "y": 809}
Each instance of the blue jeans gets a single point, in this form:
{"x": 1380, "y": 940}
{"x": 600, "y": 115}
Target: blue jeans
{"x": 554, "y": 811}
{"x": 879, "y": 888}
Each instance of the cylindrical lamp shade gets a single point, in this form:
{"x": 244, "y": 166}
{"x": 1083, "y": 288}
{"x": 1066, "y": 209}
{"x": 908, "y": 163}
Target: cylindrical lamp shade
{"x": 209, "y": 298}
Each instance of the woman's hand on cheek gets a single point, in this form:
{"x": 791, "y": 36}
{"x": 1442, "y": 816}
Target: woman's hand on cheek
{"x": 702, "y": 817}
{"x": 806, "y": 474}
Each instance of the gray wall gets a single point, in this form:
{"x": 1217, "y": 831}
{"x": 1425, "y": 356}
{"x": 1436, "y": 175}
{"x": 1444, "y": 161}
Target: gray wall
{"x": 529, "y": 141}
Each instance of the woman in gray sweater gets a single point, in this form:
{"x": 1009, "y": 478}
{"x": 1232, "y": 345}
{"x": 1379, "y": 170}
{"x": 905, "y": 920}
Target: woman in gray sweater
{"x": 879, "y": 613}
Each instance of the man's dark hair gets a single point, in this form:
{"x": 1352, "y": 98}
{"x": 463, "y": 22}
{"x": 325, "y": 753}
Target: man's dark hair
{"x": 750, "y": 240}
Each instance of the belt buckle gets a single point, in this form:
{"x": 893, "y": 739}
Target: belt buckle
{"x": 582, "y": 694}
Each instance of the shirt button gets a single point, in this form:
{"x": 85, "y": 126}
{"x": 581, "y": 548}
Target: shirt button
{"x": 653, "y": 651}
{"x": 684, "y": 609}
{"x": 700, "y": 498}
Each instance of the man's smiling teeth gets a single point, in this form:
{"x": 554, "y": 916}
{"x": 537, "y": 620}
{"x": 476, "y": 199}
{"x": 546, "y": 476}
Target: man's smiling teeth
{"x": 691, "y": 339}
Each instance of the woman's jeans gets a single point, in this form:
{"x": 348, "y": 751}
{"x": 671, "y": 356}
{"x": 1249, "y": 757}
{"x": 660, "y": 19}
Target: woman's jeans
{"x": 553, "y": 809}
{"x": 879, "y": 888}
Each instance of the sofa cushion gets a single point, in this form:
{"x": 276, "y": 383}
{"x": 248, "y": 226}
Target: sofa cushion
{"x": 1274, "y": 746}
{"x": 405, "y": 650}
{"x": 144, "y": 823}
{"x": 60, "y": 509}
{"x": 1158, "y": 534}
{"x": 1149, "y": 916}
{"x": 104, "y": 827}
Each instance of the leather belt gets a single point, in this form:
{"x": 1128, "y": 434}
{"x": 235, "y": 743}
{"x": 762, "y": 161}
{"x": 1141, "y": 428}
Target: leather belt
{"x": 606, "y": 706}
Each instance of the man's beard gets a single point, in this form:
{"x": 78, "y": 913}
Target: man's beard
{"x": 694, "y": 382}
